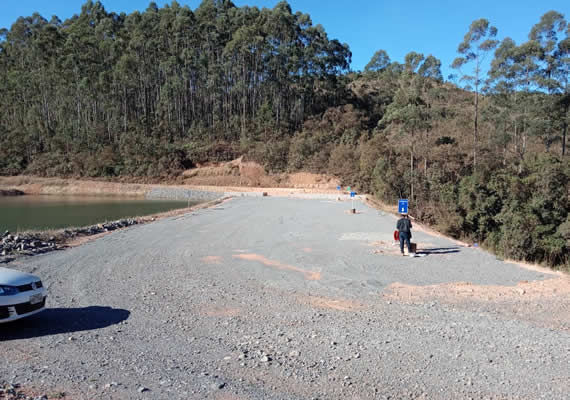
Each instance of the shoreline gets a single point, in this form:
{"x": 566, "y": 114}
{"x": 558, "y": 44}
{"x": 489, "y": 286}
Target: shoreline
{"x": 41, "y": 242}
{"x": 31, "y": 185}
{"x": 209, "y": 195}
{"x": 34, "y": 242}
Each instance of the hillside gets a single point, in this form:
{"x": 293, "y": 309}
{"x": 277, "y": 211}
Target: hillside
{"x": 174, "y": 94}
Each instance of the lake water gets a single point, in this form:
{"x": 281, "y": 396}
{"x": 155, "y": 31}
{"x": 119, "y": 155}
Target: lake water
{"x": 22, "y": 213}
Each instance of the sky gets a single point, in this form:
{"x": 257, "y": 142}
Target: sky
{"x": 399, "y": 26}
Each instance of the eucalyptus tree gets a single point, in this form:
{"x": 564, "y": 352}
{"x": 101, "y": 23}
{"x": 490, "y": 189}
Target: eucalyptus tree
{"x": 379, "y": 61}
{"x": 410, "y": 111}
{"x": 510, "y": 83}
{"x": 476, "y": 44}
{"x": 431, "y": 68}
{"x": 552, "y": 35}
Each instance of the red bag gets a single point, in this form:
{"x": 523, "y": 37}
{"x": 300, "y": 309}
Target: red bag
{"x": 396, "y": 235}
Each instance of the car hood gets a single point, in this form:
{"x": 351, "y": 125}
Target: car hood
{"x": 11, "y": 277}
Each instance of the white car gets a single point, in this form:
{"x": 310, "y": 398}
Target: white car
{"x": 21, "y": 295}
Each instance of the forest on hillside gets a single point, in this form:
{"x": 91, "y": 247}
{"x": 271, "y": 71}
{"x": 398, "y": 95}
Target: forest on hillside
{"x": 481, "y": 155}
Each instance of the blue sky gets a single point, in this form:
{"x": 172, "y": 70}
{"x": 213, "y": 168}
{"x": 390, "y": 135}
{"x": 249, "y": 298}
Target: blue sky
{"x": 430, "y": 27}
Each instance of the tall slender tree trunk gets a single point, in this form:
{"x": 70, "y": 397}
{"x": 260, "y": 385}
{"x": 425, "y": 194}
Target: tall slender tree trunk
{"x": 125, "y": 109}
{"x": 475, "y": 130}
{"x": 412, "y": 170}
{"x": 564, "y": 131}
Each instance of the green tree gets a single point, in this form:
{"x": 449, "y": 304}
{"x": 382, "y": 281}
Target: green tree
{"x": 409, "y": 112}
{"x": 476, "y": 44}
{"x": 552, "y": 35}
{"x": 379, "y": 62}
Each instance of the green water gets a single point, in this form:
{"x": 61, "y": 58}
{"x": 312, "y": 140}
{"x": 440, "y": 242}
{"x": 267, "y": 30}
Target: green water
{"x": 22, "y": 213}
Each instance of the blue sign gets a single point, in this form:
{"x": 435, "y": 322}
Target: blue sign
{"x": 338, "y": 188}
{"x": 403, "y": 206}
{"x": 352, "y": 194}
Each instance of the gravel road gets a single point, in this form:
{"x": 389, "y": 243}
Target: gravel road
{"x": 277, "y": 298}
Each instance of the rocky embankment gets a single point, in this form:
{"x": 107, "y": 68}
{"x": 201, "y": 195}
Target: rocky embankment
{"x": 30, "y": 244}
{"x": 11, "y": 192}
{"x": 14, "y": 392}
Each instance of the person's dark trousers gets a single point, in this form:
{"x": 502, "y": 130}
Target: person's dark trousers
{"x": 405, "y": 236}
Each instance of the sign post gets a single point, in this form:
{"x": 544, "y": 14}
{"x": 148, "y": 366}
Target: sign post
{"x": 403, "y": 206}
{"x": 352, "y": 194}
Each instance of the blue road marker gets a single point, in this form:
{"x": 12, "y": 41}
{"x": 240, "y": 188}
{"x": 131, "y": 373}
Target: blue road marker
{"x": 403, "y": 206}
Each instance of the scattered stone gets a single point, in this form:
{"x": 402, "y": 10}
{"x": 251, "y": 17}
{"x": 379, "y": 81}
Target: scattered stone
{"x": 143, "y": 389}
{"x": 29, "y": 244}
{"x": 218, "y": 385}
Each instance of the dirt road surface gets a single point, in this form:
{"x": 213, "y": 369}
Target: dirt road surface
{"x": 274, "y": 298}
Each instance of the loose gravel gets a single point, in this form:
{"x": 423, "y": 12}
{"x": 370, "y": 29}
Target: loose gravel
{"x": 275, "y": 298}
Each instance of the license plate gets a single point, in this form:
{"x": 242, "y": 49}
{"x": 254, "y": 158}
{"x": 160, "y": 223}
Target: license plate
{"x": 36, "y": 298}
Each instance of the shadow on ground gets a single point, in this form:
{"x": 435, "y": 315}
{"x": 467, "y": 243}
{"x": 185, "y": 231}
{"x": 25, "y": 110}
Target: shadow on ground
{"x": 440, "y": 250}
{"x": 54, "y": 321}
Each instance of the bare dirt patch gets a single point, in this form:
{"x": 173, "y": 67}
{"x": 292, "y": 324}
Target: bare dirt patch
{"x": 382, "y": 247}
{"x": 242, "y": 173}
{"x": 332, "y": 304}
{"x": 212, "y": 260}
{"x": 36, "y": 185}
{"x": 309, "y": 180}
{"x": 309, "y": 275}
{"x": 453, "y": 292}
{"x": 217, "y": 311}
{"x": 546, "y": 302}
{"x": 227, "y": 396}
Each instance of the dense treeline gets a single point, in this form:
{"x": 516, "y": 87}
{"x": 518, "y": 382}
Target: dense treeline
{"x": 481, "y": 156}
{"x": 108, "y": 94}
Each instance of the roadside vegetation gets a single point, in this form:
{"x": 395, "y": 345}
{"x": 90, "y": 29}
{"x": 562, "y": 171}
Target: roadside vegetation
{"x": 481, "y": 156}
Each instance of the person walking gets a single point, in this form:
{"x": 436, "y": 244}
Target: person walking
{"x": 404, "y": 227}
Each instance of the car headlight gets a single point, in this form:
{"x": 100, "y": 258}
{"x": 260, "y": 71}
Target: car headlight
{"x": 8, "y": 290}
